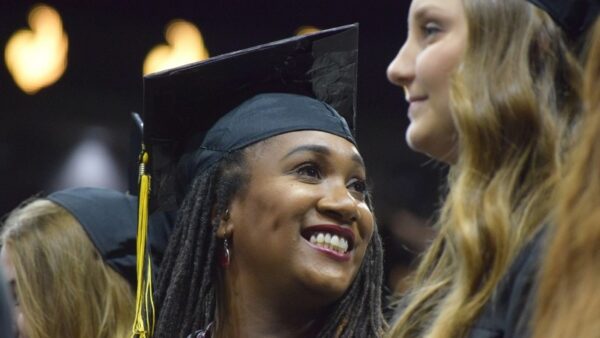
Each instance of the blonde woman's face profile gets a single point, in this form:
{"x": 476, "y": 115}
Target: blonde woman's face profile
{"x": 437, "y": 37}
{"x": 10, "y": 273}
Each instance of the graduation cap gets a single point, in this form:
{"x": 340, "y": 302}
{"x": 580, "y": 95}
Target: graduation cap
{"x": 109, "y": 218}
{"x": 574, "y": 16}
{"x": 195, "y": 114}
{"x": 182, "y": 104}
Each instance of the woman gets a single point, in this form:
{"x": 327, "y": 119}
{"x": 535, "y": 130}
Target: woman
{"x": 275, "y": 236}
{"x": 568, "y": 300}
{"x": 7, "y": 327}
{"x": 492, "y": 89}
{"x": 70, "y": 258}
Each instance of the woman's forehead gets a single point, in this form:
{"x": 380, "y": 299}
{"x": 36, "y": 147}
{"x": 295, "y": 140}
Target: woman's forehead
{"x": 286, "y": 148}
{"x": 303, "y": 140}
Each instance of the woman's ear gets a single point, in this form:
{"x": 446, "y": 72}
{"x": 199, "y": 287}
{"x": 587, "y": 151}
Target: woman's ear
{"x": 225, "y": 229}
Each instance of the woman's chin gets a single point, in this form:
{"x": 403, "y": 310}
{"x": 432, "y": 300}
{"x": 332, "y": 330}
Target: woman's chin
{"x": 326, "y": 289}
{"x": 418, "y": 141}
{"x": 434, "y": 146}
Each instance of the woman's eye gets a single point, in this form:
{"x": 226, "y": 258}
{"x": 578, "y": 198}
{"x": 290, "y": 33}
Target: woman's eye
{"x": 309, "y": 170}
{"x": 359, "y": 186}
{"x": 430, "y": 30}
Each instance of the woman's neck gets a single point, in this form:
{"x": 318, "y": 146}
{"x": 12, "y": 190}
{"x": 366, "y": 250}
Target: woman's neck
{"x": 243, "y": 312}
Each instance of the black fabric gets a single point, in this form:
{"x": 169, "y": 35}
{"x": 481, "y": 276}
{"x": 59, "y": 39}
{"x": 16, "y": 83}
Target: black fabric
{"x": 110, "y": 220}
{"x": 508, "y": 312}
{"x": 574, "y": 16}
{"x": 181, "y": 105}
{"x": 262, "y": 117}
{"x": 7, "y": 325}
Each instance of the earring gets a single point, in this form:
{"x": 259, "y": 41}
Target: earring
{"x": 225, "y": 258}
{"x": 226, "y": 215}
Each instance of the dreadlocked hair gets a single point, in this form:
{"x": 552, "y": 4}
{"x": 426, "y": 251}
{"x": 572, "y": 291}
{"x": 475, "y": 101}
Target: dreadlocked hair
{"x": 189, "y": 266}
{"x": 187, "y": 285}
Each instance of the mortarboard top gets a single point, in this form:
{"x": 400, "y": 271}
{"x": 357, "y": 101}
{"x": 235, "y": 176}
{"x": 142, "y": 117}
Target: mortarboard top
{"x": 574, "y": 16}
{"x": 182, "y": 104}
{"x": 109, "y": 218}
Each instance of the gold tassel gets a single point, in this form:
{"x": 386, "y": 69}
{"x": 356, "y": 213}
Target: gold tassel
{"x": 143, "y": 325}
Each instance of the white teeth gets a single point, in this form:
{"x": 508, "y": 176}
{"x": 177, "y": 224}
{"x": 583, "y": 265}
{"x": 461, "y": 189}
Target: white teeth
{"x": 320, "y": 238}
{"x": 328, "y": 241}
{"x": 344, "y": 244}
{"x": 335, "y": 240}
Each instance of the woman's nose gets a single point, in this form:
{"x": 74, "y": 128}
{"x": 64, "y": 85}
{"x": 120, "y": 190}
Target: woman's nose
{"x": 339, "y": 203}
{"x": 401, "y": 71}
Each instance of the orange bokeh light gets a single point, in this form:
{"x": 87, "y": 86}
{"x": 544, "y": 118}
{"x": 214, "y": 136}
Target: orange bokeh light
{"x": 37, "y": 57}
{"x": 184, "y": 45}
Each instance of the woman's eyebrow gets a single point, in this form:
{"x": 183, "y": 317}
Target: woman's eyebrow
{"x": 321, "y": 150}
{"x": 313, "y": 148}
{"x": 422, "y": 12}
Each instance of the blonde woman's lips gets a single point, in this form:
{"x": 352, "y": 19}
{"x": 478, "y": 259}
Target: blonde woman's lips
{"x": 414, "y": 104}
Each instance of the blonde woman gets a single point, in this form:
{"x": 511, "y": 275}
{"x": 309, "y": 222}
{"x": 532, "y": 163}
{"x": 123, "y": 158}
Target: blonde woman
{"x": 568, "y": 300}
{"x": 70, "y": 259}
{"x": 6, "y": 320}
{"x": 492, "y": 88}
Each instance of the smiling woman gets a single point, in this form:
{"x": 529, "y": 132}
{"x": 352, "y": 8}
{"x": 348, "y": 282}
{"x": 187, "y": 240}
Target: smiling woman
{"x": 312, "y": 187}
{"x": 275, "y": 235}
{"x": 437, "y": 41}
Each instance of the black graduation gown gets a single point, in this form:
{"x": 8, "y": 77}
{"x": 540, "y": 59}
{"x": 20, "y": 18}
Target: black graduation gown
{"x": 507, "y": 313}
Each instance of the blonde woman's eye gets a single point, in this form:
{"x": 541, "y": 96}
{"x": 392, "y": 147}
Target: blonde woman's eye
{"x": 430, "y": 29}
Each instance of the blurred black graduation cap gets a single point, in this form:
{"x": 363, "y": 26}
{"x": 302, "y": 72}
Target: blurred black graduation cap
{"x": 182, "y": 104}
{"x": 110, "y": 220}
{"x": 574, "y": 16}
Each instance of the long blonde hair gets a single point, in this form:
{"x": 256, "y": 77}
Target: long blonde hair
{"x": 514, "y": 97}
{"x": 64, "y": 287}
{"x": 568, "y": 301}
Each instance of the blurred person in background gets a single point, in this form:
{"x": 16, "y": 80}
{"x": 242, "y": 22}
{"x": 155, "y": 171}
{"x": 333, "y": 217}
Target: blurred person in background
{"x": 567, "y": 303}
{"x": 7, "y": 324}
{"x": 70, "y": 259}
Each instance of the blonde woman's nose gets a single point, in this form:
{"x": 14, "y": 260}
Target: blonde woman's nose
{"x": 401, "y": 71}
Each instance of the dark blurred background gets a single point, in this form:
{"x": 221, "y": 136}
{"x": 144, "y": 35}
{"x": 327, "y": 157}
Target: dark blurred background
{"x": 77, "y": 130}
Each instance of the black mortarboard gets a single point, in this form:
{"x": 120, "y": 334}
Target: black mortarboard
{"x": 574, "y": 16}
{"x": 110, "y": 220}
{"x": 181, "y": 105}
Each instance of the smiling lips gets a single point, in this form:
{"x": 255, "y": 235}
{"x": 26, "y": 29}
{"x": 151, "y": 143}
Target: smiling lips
{"x": 332, "y": 239}
{"x": 414, "y": 102}
{"x": 412, "y": 99}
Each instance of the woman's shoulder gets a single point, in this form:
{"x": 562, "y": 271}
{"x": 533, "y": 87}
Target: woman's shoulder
{"x": 508, "y": 311}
